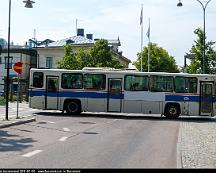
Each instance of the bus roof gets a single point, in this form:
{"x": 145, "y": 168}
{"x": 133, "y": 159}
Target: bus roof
{"x": 114, "y": 71}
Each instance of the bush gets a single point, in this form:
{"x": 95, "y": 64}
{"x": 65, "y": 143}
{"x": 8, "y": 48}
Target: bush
{"x": 2, "y": 101}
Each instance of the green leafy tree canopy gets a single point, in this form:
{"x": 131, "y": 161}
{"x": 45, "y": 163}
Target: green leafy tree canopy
{"x": 160, "y": 60}
{"x": 197, "y": 52}
{"x": 100, "y": 55}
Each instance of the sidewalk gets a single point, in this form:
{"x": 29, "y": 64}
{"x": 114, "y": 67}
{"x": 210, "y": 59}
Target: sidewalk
{"x": 197, "y": 143}
{"x": 25, "y": 114}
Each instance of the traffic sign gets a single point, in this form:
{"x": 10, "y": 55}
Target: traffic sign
{"x": 18, "y": 67}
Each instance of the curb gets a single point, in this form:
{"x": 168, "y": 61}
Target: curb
{"x": 179, "y": 148}
{"x": 17, "y": 122}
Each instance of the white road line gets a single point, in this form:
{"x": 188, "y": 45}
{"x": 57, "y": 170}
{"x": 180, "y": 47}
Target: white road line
{"x": 51, "y": 122}
{"x": 63, "y": 139}
{"x": 66, "y": 129}
{"x": 30, "y": 154}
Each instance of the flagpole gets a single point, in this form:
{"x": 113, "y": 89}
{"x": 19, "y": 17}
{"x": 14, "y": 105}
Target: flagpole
{"x": 149, "y": 47}
{"x": 141, "y": 23}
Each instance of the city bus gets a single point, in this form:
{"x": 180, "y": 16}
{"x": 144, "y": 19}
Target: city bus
{"x": 123, "y": 91}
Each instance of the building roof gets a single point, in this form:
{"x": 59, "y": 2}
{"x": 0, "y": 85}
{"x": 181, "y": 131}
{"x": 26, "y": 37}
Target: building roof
{"x": 75, "y": 40}
{"x": 82, "y": 41}
{"x": 122, "y": 57}
{"x": 114, "y": 42}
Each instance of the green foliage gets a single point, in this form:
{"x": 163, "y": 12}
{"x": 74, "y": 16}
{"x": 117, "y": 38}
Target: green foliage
{"x": 100, "y": 55}
{"x": 160, "y": 60}
{"x": 2, "y": 101}
{"x": 197, "y": 50}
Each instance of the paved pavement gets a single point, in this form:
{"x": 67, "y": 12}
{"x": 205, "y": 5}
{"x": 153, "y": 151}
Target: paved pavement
{"x": 25, "y": 114}
{"x": 196, "y": 143}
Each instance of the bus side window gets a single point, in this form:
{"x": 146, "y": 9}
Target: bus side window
{"x": 185, "y": 84}
{"x": 38, "y": 79}
{"x": 64, "y": 83}
{"x": 95, "y": 81}
{"x": 136, "y": 83}
{"x": 52, "y": 86}
{"x": 72, "y": 81}
{"x": 215, "y": 90}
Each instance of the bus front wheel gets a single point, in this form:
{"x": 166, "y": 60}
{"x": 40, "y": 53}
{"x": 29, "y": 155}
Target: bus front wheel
{"x": 172, "y": 111}
{"x": 73, "y": 107}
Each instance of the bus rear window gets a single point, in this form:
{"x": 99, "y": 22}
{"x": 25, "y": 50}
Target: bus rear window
{"x": 38, "y": 79}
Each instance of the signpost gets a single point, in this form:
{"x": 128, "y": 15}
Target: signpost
{"x": 18, "y": 68}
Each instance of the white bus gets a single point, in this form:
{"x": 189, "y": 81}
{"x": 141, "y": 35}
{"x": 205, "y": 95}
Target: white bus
{"x": 103, "y": 90}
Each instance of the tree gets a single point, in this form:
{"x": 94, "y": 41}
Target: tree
{"x": 160, "y": 60}
{"x": 69, "y": 60}
{"x": 197, "y": 52}
{"x": 100, "y": 55}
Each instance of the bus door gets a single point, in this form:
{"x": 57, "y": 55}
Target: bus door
{"x": 114, "y": 102}
{"x": 206, "y": 98}
{"x": 52, "y": 92}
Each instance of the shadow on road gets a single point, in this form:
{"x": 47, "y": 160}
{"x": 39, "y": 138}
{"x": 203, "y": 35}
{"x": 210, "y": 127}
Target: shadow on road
{"x": 9, "y": 142}
{"x": 154, "y": 117}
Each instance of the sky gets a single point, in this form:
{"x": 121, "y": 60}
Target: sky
{"x": 171, "y": 26}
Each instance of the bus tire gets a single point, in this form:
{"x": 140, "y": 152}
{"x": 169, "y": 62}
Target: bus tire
{"x": 172, "y": 111}
{"x": 73, "y": 107}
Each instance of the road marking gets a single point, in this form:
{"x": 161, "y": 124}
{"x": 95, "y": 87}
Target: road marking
{"x": 63, "y": 139}
{"x": 30, "y": 154}
{"x": 66, "y": 129}
{"x": 51, "y": 122}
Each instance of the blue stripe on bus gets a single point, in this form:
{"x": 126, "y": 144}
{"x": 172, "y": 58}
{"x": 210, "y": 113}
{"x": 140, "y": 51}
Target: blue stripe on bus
{"x": 83, "y": 94}
{"x": 182, "y": 98}
{"x": 186, "y": 98}
{"x": 99, "y": 95}
{"x": 37, "y": 93}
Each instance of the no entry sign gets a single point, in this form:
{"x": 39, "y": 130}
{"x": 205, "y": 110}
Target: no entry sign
{"x": 18, "y": 67}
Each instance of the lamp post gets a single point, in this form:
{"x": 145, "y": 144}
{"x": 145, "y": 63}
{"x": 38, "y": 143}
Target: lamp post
{"x": 28, "y": 4}
{"x": 204, "y": 37}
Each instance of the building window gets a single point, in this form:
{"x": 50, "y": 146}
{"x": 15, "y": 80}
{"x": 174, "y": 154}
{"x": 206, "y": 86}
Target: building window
{"x": 49, "y": 62}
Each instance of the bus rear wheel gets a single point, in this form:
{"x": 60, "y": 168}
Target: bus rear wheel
{"x": 73, "y": 107}
{"x": 172, "y": 111}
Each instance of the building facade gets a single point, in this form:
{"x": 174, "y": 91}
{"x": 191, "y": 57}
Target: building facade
{"x": 19, "y": 54}
{"x": 50, "y": 52}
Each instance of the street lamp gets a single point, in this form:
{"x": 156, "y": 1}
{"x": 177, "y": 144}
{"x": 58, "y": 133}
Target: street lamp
{"x": 204, "y": 37}
{"x": 28, "y": 4}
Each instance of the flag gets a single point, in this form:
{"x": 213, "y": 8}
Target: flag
{"x": 148, "y": 32}
{"x": 141, "y": 16}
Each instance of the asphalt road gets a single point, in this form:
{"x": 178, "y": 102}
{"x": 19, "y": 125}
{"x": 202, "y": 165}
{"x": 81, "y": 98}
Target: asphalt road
{"x": 90, "y": 141}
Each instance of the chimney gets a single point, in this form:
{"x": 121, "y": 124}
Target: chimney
{"x": 80, "y": 32}
{"x": 89, "y": 36}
